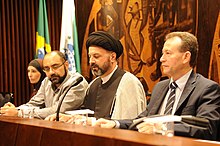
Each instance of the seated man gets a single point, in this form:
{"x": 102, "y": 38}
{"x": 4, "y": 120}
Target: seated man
{"x": 192, "y": 95}
{"x": 114, "y": 93}
{"x": 53, "y": 88}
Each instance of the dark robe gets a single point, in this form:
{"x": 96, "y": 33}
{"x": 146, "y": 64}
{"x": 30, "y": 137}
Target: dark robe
{"x": 100, "y": 97}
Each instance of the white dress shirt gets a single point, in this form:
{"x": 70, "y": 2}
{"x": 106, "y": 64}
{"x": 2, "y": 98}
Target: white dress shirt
{"x": 181, "y": 82}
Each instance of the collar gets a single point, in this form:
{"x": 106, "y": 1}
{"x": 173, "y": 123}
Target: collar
{"x": 181, "y": 82}
{"x": 105, "y": 79}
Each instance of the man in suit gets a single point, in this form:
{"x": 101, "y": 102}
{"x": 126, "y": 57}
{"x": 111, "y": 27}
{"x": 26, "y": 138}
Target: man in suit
{"x": 194, "y": 94}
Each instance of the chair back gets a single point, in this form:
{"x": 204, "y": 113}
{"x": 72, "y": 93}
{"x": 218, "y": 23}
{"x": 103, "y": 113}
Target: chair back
{"x": 6, "y": 97}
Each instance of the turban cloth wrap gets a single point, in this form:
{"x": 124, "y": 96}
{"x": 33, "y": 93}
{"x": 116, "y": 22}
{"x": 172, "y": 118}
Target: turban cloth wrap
{"x": 106, "y": 41}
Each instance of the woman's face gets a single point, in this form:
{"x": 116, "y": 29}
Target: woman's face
{"x": 33, "y": 74}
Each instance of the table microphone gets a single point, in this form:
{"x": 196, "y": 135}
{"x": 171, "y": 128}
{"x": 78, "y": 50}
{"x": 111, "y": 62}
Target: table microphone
{"x": 76, "y": 82}
{"x": 195, "y": 121}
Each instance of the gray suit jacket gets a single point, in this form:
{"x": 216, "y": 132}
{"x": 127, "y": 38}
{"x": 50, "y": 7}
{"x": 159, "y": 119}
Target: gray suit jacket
{"x": 200, "y": 98}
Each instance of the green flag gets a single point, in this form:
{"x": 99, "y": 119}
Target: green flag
{"x": 43, "y": 39}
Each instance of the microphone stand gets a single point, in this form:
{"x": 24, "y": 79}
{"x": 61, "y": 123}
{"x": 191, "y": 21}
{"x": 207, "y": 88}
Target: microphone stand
{"x": 78, "y": 80}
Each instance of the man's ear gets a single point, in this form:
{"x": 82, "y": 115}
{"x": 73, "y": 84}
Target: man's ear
{"x": 186, "y": 57}
{"x": 66, "y": 64}
{"x": 113, "y": 56}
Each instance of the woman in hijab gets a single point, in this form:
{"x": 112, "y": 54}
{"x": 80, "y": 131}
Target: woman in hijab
{"x": 35, "y": 74}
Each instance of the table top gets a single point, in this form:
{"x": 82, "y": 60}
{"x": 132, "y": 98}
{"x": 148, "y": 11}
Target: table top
{"x": 24, "y": 131}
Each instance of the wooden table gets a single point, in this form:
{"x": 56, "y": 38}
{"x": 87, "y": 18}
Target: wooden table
{"x": 15, "y": 131}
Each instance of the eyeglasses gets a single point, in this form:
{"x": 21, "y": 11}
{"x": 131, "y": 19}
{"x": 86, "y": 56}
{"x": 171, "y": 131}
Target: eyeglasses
{"x": 53, "y": 67}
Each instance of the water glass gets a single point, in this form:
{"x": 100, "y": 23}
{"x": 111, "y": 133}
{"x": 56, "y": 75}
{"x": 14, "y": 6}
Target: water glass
{"x": 164, "y": 128}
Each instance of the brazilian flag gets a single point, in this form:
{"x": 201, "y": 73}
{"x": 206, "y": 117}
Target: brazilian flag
{"x": 43, "y": 38}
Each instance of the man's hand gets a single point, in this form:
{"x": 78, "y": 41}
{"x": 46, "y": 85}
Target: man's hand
{"x": 67, "y": 118}
{"x": 51, "y": 117}
{"x": 62, "y": 117}
{"x": 146, "y": 127}
{"x": 149, "y": 128}
{"x": 103, "y": 123}
{"x": 9, "y": 105}
{"x": 9, "y": 110}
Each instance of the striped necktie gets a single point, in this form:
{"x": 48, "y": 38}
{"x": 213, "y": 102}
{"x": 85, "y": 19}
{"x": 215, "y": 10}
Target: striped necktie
{"x": 171, "y": 99}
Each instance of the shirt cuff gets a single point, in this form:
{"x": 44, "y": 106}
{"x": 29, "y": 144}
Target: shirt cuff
{"x": 117, "y": 124}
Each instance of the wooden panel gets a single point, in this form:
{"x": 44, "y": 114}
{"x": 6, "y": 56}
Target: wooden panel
{"x": 28, "y": 135}
{"x": 8, "y": 133}
{"x": 91, "y": 140}
{"x": 46, "y": 133}
{"x": 56, "y": 137}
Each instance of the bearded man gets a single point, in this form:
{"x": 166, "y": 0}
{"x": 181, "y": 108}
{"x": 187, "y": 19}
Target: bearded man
{"x": 53, "y": 89}
{"x": 114, "y": 93}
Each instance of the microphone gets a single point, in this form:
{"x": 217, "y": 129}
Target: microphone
{"x": 195, "y": 121}
{"x": 76, "y": 82}
{"x": 140, "y": 120}
{"x": 135, "y": 123}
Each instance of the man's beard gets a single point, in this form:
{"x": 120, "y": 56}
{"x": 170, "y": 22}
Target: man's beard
{"x": 98, "y": 71}
{"x": 56, "y": 79}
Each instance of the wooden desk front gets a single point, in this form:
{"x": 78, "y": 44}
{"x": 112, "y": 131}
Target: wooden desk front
{"x": 25, "y": 132}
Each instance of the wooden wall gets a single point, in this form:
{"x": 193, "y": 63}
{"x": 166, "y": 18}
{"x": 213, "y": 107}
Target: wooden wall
{"x": 18, "y": 24}
{"x": 141, "y": 25}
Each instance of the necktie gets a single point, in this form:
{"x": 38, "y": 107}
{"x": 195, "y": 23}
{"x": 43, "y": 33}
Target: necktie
{"x": 171, "y": 99}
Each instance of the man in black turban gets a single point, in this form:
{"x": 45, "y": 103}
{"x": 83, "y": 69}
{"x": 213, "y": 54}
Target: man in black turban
{"x": 114, "y": 93}
{"x": 103, "y": 43}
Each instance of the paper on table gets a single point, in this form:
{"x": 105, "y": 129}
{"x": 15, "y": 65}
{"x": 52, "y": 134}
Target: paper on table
{"x": 190, "y": 120}
{"x": 83, "y": 111}
{"x": 167, "y": 118}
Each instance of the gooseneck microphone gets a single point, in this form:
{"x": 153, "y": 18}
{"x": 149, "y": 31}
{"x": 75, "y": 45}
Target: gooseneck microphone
{"x": 195, "y": 121}
{"x": 76, "y": 82}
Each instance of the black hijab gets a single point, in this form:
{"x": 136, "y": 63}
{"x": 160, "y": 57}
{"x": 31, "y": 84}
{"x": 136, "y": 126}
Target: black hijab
{"x": 37, "y": 63}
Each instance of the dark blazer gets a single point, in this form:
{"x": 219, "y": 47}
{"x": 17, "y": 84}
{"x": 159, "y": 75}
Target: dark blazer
{"x": 200, "y": 98}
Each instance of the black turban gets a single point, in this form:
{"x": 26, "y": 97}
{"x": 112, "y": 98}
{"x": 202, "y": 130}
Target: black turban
{"x": 106, "y": 41}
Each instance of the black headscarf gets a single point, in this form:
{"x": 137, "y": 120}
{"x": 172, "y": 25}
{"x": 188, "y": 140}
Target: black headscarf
{"x": 106, "y": 41}
{"x": 37, "y": 63}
